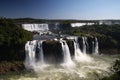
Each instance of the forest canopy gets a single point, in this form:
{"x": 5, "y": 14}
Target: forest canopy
{"x": 12, "y": 37}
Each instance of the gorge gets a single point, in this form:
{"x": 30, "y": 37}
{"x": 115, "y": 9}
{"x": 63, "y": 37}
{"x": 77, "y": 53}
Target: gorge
{"x": 78, "y": 63}
{"x": 35, "y": 51}
{"x": 61, "y": 56}
{"x": 75, "y": 57}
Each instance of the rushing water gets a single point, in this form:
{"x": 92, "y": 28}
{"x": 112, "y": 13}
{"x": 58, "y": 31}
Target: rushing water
{"x": 35, "y": 27}
{"x": 67, "y": 61}
{"x": 81, "y": 67}
{"x": 97, "y": 68}
{"x": 96, "y": 46}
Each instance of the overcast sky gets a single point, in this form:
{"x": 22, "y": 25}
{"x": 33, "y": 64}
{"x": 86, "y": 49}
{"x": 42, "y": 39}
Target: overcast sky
{"x": 61, "y": 9}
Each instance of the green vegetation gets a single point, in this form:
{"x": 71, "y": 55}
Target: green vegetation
{"x": 108, "y": 36}
{"x": 109, "y": 42}
{"x": 32, "y": 20}
{"x": 12, "y": 40}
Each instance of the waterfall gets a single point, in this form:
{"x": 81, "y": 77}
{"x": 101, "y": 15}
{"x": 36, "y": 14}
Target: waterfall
{"x": 67, "y": 61}
{"x": 27, "y": 49}
{"x": 96, "y": 46}
{"x": 41, "y": 55}
{"x": 81, "y": 56}
{"x": 87, "y": 45}
{"x": 31, "y": 62}
{"x": 77, "y": 50}
{"x": 36, "y": 27}
{"x": 84, "y": 44}
{"x": 30, "y": 48}
{"x": 93, "y": 47}
{"x": 35, "y": 54}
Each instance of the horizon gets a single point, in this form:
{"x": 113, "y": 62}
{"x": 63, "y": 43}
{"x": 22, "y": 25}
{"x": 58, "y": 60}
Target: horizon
{"x": 61, "y": 9}
{"x": 59, "y": 19}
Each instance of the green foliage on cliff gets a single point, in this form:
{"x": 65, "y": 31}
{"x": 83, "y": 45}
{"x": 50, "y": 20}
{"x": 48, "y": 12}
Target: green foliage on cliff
{"x": 12, "y": 39}
{"x": 95, "y": 30}
{"x": 108, "y": 35}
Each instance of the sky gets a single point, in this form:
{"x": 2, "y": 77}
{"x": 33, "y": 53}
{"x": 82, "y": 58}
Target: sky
{"x": 61, "y": 9}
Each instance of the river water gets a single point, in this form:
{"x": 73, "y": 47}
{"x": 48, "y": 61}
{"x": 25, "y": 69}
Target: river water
{"x": 98, "y": 66}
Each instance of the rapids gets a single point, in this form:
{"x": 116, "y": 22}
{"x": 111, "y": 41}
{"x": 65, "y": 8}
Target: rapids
{"x": 95, "y": 69}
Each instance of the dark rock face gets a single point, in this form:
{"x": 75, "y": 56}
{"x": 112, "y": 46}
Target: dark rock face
{"x": 90, "y": 41}
{"x": 80, "y": 40}
{"x": 52, "y": 51}
{"x": 71, "y": 47}
{"x": 89, "y": 44}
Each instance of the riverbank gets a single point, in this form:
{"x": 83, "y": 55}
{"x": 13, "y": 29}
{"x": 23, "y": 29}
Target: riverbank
{"x": 11, "y": 66}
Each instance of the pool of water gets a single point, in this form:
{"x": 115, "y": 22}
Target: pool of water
{"x": 94, "y": 69}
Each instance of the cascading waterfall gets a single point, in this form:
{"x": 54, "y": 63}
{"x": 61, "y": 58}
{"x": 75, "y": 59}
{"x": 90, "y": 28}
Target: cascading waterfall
{"x": 35, "y": 59}
{"x": 35, "y": 56}
{"x": 84, "y": 44}
{"x": 82, "y": 67}
{"x": 30, "y": 48}
{"x": 31, "y": 62}
{"x": 41, "y": 55}
{"x": 67, "y": 61}
{"x": 87, "y": 45}
{"x": 93, "y": 47}
{"x": 80, "y": 56}
{"x": 77, "y": 50}
{"x": 96, "y": 46}
{"x": 36, "y": 27}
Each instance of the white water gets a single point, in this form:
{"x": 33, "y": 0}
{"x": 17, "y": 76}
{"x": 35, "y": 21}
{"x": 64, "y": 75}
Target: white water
{"x": 67, "y": 61}
{"x": 31, "y": 62}
{"x": 84, "y": 67}
{"x": 80, "y": 56}
{"x": 36, "y": 27}
{"x": 30, "y": 49}
{"x": 77, "y": 50}
{"x": 93, "y": 47}
{"x": 94, "y": 70}
{"x": 96, "y": 46}
{"x": 41, "y": 55}
{"x": 84, "y": 44}
{"x": 80, "y": 24}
